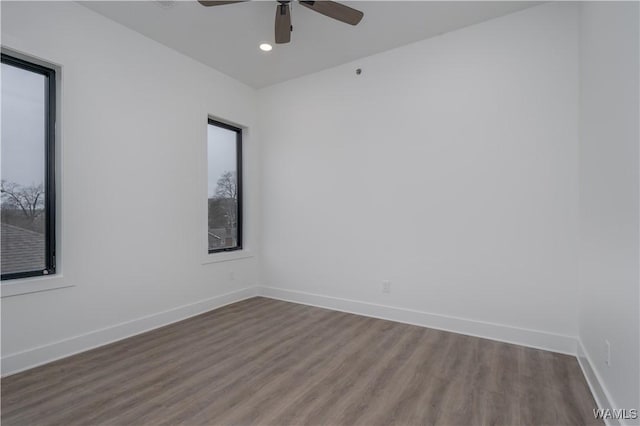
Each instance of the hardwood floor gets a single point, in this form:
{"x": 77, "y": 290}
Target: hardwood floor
{"x": 268, "y": 362}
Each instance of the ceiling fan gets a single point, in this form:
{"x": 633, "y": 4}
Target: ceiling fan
{"x": 283, "y": 26}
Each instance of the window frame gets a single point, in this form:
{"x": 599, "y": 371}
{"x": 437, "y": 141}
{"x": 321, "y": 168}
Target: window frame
{"x": 239, "y": 211}
{"x": 50, "y": 163}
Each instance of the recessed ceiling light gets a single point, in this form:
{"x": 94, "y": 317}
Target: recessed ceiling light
{"x": 265, "y": 47}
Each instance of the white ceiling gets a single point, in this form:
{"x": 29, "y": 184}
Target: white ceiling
{"x": 227, "y": 37}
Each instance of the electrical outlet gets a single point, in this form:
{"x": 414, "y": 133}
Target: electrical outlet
{"x": 232, "y": 276}
{"x": 386, "y": 286}
{"x": 607, "y": 353}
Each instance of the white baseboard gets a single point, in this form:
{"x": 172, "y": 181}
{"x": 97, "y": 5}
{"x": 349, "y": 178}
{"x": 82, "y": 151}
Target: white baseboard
{"x": 20, "y": 361}
{"x": 16, "y": 362}
{"x": 599, "y": 391}
{"x": 503, "y": 333}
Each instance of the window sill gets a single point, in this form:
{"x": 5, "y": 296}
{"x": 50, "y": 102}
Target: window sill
{"x": 32, "y": 285}
{"x": 227, "y": 256}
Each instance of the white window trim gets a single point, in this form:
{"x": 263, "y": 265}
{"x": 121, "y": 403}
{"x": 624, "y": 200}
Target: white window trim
{"x": 227, "y": 256}
{"x": 223, "y": 256}
{"x": 28, "y": 285}
{"x": 32, "y": 285}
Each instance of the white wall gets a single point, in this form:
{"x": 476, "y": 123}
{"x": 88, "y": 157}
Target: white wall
{"x": 448, "y": 167}
{"x": 609, "y": 196}
{"x": 133, "y": 194}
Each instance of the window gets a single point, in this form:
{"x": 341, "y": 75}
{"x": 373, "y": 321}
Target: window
{"x": 27, "y": 194}
{"x": 224, "y": 155}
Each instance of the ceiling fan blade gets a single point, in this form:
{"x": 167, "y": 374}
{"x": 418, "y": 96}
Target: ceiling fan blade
{"x": 335, "y": 10}
{"x": 283, "y": 23}
{"x": 218, "y": 3}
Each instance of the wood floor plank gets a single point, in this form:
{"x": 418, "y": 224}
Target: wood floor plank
{"x": 341, "y": 384}
{"x": 396, "y": 394}
{"x": 269, "y": 362}
{"x": 95, "y": 388}
{"x": 304, "y": 398}
{"x": 183, "y": 376}
{"x": 294, "y": 372}
{"x": 121, "y": 355}
{"x": 254, "y": 376}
